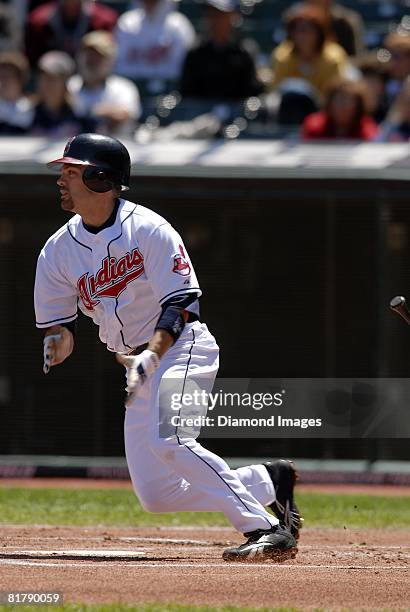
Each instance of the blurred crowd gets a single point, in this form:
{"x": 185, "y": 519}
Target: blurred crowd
{"x": 145, "y": 70}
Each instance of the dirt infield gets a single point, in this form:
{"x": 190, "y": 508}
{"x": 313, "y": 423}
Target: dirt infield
{"x": 334, "y": 569}
{"x": 362, "y": 569}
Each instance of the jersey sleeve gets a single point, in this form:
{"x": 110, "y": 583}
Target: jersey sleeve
{"x": 55, "y": 299}
{"x": 167, "y": 264}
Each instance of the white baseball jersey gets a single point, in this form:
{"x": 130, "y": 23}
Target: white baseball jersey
{"x": 119, "y": 277}
{"x": 153, "y": 45}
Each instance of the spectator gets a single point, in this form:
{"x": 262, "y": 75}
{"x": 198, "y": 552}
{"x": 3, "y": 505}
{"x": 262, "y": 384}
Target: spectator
{"x": 153, "y": 40}
{"x": 221, "y": 66}
{"x": 398, "y": 45}
{"x": 10, "y": 31}
{"x": 307, "y": 54}
{"x": 344, "y": 116}
{"x": 111, "y": 100}
{"x": 53, "y": 114}
{"x": 19, "y": 9}
{"x": 345, "y": 25}
{"x": 15, "y": 108}
{"x": 61, "y": 24}
{"x": 297, "y": 101}
{"x": 397, "y": 127}
{"x": 374, "y": 75}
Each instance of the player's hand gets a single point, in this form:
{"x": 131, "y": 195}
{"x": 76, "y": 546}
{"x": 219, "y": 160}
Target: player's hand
{"x": 139, "y": 369}
{"x": 58, "y": 345}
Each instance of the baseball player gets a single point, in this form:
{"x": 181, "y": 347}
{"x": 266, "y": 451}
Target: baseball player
{"x": 127, "y": 269}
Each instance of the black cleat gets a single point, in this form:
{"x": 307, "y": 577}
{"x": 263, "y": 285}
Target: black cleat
{"x": 283, "y": 475}
{"x": 277, "y": 544}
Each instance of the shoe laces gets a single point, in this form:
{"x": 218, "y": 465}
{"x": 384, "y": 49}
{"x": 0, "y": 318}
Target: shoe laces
{"x": 253, "y": 536}
{"x": 290, "y": 517}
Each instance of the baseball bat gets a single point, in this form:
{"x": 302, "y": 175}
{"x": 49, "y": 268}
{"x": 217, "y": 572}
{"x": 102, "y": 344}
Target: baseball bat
{"x": 398, "y": 304}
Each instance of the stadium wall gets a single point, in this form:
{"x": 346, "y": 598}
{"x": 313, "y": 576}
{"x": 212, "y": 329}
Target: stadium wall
{"x": 300, "y": 270}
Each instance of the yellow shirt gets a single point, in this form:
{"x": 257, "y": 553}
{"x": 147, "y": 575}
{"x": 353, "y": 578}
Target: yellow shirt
{"x": 331, "y": 63}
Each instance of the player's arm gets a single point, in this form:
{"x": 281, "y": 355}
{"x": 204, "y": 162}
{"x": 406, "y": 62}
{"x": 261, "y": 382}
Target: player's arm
{"x": 174, "y": 315}
{"x": 58, "y": 344}
{"x": 55, "y": 304}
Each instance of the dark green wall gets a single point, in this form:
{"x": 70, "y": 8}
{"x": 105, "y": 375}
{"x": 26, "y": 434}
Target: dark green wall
{"x": 297, "y": 272}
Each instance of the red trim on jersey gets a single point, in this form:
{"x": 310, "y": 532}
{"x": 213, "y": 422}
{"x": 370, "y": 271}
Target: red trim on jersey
{"x": 117, "y": 288}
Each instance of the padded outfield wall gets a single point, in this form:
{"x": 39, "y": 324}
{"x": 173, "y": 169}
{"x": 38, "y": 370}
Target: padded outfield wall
{"x": 297, "y": 269}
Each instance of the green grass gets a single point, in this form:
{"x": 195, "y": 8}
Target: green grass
{"x": 141, "y": 608}
{"x": 89, "y": 507}
{"x": 120, "y": 507}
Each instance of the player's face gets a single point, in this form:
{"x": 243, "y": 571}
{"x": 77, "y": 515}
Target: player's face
{"x": 72, "y": 188}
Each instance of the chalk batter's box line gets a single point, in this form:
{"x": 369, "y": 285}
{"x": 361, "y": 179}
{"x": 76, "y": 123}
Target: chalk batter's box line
{"x": 61, "y": 564}
{"x": 145, "y": 539}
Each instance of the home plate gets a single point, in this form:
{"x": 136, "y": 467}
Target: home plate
{"x": 77, "y": 553}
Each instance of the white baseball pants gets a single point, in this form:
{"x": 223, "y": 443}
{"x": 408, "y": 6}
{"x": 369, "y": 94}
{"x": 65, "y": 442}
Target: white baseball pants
{"x": 178, "y": 474}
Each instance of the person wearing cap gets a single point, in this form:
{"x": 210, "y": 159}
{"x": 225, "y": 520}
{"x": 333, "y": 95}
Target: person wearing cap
{"x": 113, "y": 101}
{"x": 61, "y": 24}
{"x": 16, "y": 111}
{"x": 153, "y": 40}
{"x": 53, "y": 113}
{"x": 307, "y": 53}
{"x": 221, "y": 66}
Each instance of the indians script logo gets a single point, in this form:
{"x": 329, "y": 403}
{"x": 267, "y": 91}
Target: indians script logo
{"x": 181, "y": 266}
{"x": 111, "y": 279}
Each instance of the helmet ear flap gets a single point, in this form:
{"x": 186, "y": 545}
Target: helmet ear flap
{"x": 96, "y": 180}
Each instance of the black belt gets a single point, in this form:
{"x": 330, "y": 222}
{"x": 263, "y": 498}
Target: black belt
{"x": 138, "y": 350}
